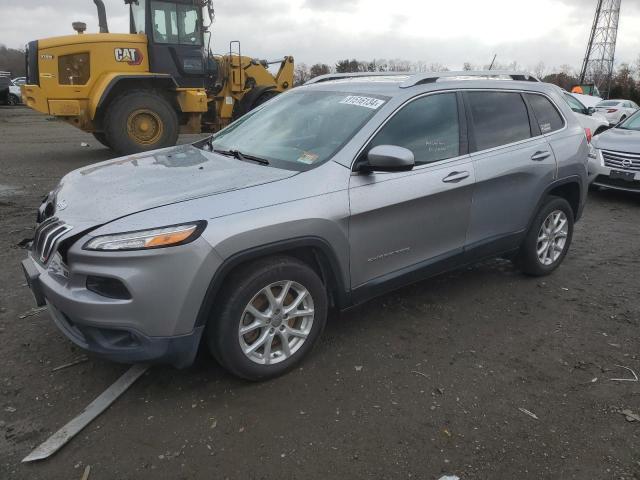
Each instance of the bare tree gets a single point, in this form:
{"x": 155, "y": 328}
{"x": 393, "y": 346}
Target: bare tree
{"x": 301, "y": 74}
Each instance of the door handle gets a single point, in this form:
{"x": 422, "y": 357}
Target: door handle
{"x": 539, "y": 156}
{"x": 455, "y": 177}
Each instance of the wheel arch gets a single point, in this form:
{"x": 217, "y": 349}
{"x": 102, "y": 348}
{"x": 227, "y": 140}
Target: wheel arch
{"x": 570, "y": 189}
{"x": 314, "y": 251}
{"x": 112, "y": 86}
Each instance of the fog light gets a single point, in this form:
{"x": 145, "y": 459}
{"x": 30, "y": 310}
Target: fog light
{"x": 108, "y": 287}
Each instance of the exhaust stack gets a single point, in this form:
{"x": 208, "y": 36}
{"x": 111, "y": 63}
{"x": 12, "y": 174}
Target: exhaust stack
{"x": 102, "y": 16}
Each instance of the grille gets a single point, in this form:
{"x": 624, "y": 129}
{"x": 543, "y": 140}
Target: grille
{"x": 621, "y": 160}
{"x": 47, "y": 235}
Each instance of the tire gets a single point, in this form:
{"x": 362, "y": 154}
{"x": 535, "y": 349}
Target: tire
{"x": 247, "y": 286}
{"x": 265, "y": 97}
{"x": 13, "y": 100}
{"x": 102, "y": 138}
{"x": 528, "y": 259}
{"x": 139, "y": 121}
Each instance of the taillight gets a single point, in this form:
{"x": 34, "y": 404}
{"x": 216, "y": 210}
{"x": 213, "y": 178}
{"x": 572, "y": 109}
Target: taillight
{"x": 587, "y": 132}
{"x": 612, "y": 110}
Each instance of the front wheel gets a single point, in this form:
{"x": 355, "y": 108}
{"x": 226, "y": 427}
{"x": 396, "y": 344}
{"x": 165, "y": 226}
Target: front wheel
{"x": 548, "y": 239}
{"x": 13, "y": 100}
{"x": 140, "y": 120}
{"x": 272, "y": 313}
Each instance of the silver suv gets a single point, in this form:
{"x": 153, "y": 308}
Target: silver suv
{"x": 328, "y": 195}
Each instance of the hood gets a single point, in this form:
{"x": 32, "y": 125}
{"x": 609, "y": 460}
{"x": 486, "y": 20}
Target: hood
{"x": 108, "y": 190}
{"x": 619, "y": 140}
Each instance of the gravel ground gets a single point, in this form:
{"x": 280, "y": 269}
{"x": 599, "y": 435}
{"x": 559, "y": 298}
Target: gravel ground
{"x": 427, "y": 381}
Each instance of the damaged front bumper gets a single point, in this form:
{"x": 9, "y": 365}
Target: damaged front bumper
{"x": 127, "y": 330}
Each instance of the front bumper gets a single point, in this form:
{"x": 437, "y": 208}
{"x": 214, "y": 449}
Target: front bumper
{"x": 156, "y": 324}
{"x": 600, "y": 175}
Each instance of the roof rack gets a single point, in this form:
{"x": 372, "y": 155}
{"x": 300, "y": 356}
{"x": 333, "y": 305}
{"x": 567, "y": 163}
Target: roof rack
{"x": 414, "y": 78}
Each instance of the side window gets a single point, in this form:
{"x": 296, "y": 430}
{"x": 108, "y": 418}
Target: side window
{"x": 165, "y": 22}
{"x": 548, "y": 117}
{"x": 499, "y": 118}
{"x": 427, "y": 126}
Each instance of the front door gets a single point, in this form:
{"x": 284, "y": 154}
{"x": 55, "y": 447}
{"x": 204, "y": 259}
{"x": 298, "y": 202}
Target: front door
{"x": 403, "y": 222}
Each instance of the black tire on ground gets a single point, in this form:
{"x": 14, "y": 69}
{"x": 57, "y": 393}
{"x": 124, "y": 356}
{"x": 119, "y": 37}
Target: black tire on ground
{"x": 140, "y": 120}
{"x": 102, "y": 138}
{"x": 13, "y": 99}
{"x": 240, "y": 289}
{"x": 527, "y": 259}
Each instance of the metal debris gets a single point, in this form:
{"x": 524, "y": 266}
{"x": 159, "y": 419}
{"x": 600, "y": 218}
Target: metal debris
{"x": 419, "y": 373}
{"x": 450, "y": 477}
{"x": 634, "y": 379}
{"x": 630, "y": 416}
{"x": 32, "y": 312}
{"x": 527, "y": 412}
{"x": 95, "y": 408}
{"x": 70, "y": 364}
{"x": 86, "y": 473}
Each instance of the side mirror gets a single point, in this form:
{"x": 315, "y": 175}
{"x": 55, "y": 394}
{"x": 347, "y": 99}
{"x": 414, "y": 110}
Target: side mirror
{"x": 591, "y": 110}
{"x": 389, "y": 158}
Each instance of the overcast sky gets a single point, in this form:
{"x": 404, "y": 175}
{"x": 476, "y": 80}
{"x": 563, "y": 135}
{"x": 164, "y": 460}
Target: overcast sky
{"x": 444, "y": 31}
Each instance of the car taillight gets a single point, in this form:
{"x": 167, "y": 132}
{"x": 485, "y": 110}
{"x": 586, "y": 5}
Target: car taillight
{"x": 587, "y": 132}
{"x": 612, "y": 110}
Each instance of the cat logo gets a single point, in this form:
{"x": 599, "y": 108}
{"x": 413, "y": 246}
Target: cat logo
{"x": 132, "y": 56}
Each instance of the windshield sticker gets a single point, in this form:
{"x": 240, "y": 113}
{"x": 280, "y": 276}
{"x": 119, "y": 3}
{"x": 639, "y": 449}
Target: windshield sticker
{"x": 367, "y": 102}
{"x": 308, "y": 158}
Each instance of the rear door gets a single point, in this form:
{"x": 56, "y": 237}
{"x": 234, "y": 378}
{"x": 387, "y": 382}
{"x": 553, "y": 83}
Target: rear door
{"x": 513, "y": 162}
{"x": 403, "y": 222}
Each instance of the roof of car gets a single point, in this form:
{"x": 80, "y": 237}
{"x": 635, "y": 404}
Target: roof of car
{"x": 398, "y": 83}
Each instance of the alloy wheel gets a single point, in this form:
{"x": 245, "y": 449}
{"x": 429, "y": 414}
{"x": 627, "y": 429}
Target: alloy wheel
{"x": 276, "y": 322}
{"x": 552, "y": 237}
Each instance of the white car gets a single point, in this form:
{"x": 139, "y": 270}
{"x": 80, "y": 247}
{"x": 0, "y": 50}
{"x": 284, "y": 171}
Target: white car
{"x": 616, "y": 111}
{"x": 15, "y": 96}
{"x": 587, "y": 116}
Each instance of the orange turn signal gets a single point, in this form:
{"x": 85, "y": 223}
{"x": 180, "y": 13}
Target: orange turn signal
{"x": 169, "y": 238}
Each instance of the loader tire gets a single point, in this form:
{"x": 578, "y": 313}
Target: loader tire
{"x": 140, "y": 120}
{"x": 102, "y": 138}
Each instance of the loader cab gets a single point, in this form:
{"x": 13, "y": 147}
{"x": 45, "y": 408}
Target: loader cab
{"x": 174, "y": 30}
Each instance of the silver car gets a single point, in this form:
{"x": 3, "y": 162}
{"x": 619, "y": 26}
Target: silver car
{"x": 615, "y": 157}
{"x": 340, "y": 190}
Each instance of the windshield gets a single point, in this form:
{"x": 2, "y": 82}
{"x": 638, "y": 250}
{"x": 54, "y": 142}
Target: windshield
{"x": 300, "y": 129}
{"x": 631, "y": 123}
{"x": 574, "y": 103}
{"x": 137, "y": 16}
{"x": 608, "y": 103}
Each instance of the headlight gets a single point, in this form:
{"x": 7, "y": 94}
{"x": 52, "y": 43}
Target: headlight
{"x": 147, "y": 239}
{"x": 593, "y": 152}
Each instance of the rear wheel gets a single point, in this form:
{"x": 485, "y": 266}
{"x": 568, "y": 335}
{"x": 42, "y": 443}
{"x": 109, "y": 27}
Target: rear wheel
{"x": 271, "y": 314}
{"x": 548, "y": 239}
{"x": 140, "y": 120}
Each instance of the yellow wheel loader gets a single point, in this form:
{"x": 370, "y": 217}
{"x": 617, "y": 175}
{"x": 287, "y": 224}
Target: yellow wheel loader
{"x": 138, "y": 91}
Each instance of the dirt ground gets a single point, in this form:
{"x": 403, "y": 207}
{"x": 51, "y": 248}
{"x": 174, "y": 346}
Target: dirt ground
{"x": 420, "y": 383}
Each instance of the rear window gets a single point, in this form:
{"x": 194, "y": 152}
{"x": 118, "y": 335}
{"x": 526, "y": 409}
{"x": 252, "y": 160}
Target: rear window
{"x": 499, "y": 118}
{"x": 548, "y": 118}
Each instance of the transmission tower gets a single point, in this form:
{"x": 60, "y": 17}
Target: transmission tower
{"x": 597, "y": 66}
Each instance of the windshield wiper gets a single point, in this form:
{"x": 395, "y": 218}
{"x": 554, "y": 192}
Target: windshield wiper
{"x": 237, "y": 154}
